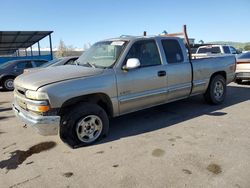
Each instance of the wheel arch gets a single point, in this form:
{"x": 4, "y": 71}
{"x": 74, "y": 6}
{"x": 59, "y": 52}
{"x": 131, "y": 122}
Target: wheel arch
{"x": 100, "y": 99}
{"x": 222, "y": 73}
{"x": 4, "y": 77}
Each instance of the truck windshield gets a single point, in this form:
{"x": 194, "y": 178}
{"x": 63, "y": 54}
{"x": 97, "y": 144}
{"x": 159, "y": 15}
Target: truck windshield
{"x": 102, "y": 54}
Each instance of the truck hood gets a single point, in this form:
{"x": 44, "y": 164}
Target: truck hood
{"x": 36, "y": 79}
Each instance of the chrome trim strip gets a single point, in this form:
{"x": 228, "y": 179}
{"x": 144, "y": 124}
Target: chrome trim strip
{"x": 197, "y": 83}
{"x": 121, "y": 101}
{"x": 175, "y": 88}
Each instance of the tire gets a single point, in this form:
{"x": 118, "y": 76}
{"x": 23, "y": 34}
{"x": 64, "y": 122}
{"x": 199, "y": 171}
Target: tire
{"x": 83, "y": 125}
{"x": 216, "y": 91}
{"x": 238, "y": 81}
{"x": 8, "y": 84}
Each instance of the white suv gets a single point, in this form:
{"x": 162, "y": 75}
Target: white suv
{"x": 216, "y": 49}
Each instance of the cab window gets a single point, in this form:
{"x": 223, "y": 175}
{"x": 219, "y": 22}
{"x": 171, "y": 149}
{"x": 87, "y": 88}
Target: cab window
{"x": 146, "y": 51}
{"x": 172, "y": 51}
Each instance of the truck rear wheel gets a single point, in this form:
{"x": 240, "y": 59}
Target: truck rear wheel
{"x": 84, "y": 125}
{"x": 216, "y": 91}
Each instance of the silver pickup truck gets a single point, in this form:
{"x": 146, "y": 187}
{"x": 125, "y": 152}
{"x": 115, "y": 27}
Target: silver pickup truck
{"x": 116, "y": 77}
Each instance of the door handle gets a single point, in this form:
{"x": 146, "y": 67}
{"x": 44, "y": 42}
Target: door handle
{"x": 162, "y": 73}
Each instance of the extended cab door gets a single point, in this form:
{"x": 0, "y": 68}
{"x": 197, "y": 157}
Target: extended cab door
{"x": 144, "y": 86}
{"x": 179, "y": 72}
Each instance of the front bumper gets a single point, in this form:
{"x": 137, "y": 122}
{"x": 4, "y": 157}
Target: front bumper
{"x": 44, "y": 125}
{"x": 243, "y": 75}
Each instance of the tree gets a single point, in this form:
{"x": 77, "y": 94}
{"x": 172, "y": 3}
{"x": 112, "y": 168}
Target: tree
{"x": 247, "y": 47}
{"x": 62, "y": 49}
{"x": 201, "y": 42}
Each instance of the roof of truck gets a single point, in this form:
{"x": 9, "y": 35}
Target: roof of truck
{"x": 130, "y": 37}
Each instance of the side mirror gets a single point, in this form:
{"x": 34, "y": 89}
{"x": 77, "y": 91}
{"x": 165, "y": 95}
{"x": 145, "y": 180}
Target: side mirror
{"x": 132, "y": 63}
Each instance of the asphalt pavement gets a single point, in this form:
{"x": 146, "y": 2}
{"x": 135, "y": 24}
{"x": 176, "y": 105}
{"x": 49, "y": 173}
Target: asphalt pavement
{"x": 187, "y": 143}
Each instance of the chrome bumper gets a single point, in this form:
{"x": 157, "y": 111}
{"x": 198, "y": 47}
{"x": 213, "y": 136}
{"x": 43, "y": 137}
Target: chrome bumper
{"x": 243, "y": 75}
{"x": 44, "y": 125}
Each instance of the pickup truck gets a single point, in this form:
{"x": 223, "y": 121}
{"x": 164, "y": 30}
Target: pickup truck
{"x": 115, "y": 77}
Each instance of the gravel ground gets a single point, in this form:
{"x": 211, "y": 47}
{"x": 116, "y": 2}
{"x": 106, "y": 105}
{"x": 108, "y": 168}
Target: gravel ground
{"x": 182, "y": 144}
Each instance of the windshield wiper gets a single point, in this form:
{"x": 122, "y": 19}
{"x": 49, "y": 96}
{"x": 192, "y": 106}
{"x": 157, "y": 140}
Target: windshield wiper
{"x": 91, "y": 65}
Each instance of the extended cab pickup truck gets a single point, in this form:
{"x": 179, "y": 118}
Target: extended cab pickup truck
{"x": 116, "y": 77}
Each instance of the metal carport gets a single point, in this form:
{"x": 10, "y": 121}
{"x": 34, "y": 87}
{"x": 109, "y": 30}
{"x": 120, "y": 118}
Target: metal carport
{"x": 12, "y": 41}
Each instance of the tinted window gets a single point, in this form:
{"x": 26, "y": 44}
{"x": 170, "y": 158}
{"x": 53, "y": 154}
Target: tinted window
{"x": 244, "y": 56}
{"x": 213, "y": 50}
{"x": 39, "y": 63}
{"x": 226, "y": 50}
{"x": 24, "y": 65}
{"x": 172, "y": 51}
{"x": 146, "y": 52}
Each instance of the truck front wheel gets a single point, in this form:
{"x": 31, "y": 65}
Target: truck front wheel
{"x": 216, "y": 91}
{"x": 83, "y": 125}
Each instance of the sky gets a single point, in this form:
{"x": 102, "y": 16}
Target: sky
{"x": 79, "y": 22}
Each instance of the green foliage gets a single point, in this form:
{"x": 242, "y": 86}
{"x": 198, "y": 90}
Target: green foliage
{"x": 238, "y": 45}
{"x": 247, "y": 47}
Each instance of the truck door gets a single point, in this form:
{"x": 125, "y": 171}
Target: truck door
{"x": 144, "y": 86}
{"x": 179, "y": 72}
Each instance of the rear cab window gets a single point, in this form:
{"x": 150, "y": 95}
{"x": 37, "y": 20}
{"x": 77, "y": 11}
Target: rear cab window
{"x": 172, "y": 50}
{"x": 212, "y": 50}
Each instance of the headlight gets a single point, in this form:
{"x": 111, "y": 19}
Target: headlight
{"x": 36, "y": 95}
{"x": 40, "y": 108}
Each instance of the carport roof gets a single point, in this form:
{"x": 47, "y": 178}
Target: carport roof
{"x": 10, "y": 41}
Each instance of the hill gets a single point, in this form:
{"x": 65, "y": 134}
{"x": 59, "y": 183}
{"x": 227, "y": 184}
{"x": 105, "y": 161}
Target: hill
{"x": 238, "y": 45}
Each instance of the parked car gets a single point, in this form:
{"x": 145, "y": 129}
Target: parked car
{"x": 116, "y": 77}
{"x": 55, "y": 62}
{"x": 243, "y": 68}
{"x": 11, "y": 69}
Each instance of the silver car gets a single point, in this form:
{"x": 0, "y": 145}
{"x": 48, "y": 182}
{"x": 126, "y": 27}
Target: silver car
{"x": 55, "y": 62}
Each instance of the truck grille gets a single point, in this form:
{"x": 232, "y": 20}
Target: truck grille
{"x": 19, "y": 94}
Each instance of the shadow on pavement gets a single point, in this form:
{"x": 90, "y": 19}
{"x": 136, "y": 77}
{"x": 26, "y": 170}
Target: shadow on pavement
{"x": 170, "y": 114}
{"x": 5, "y": 109}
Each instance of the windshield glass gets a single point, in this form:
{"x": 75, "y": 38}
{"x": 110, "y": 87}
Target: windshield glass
{"x": 102, "y": 54}
{"x": 51, "y": 62}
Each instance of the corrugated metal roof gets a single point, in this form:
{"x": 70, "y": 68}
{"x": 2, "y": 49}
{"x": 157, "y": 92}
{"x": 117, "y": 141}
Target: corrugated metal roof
{"x": 10, "y": 41}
